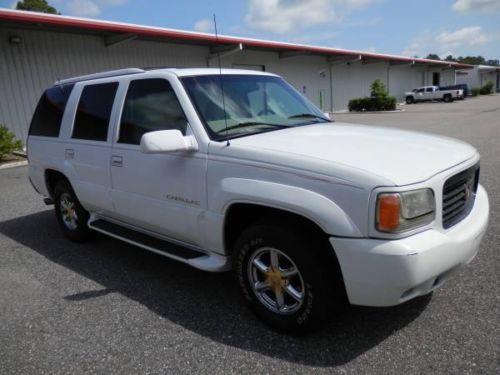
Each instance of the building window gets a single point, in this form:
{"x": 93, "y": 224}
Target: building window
{"x": 259, "y": 68}
{"x": 150, "y": 105}
{"x": 94, "y": 111}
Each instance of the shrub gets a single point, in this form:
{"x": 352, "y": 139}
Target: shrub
{"x": 372, "y": 104}
{"x": 378, "y": 101}
{"x": 487, "y": 88}
{"x": 8, "y": 142}
{"x": 475, "y": 91}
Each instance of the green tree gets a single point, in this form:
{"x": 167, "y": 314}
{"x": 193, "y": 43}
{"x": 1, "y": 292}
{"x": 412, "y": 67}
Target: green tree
{"x": 494, "y": 62}
{"x": 41, "y": 6}
{"x": 472, "y": 60}
{"x": 450, "y": 58}
{"x": 378, "y": 89}
{"x": 433, "y": 56}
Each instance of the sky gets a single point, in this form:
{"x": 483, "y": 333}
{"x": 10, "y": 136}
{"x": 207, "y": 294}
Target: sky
{"x": 401, "y": 27}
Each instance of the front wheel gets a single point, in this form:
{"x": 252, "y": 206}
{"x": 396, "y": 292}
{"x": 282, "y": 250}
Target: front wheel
{"x": 410, "y": 100}
{"x": 282, "y": 280}
{"x": 72, "y": 217}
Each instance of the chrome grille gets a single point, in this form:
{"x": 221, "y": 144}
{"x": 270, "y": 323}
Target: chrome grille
{"x": 459, "y": 192}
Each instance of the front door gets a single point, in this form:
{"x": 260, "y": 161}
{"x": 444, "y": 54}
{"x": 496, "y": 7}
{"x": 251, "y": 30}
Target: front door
{"x": 162, "y": 193}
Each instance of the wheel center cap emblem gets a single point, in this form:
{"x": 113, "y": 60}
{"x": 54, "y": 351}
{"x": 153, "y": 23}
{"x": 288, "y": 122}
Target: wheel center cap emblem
{"x": 275, "y": 279}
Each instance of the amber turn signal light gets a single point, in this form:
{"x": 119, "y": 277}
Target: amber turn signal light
{"x": 388, "y": 212}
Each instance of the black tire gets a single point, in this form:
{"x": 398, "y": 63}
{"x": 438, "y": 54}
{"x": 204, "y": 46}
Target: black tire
{"x": 313, "y": 282}
{"x": 447, "y": 98}
{"x": 75, "y": 228}
{"x": 410, "y": 100}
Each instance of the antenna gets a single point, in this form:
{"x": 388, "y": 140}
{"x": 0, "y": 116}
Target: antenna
{"x": 221, "y": 82}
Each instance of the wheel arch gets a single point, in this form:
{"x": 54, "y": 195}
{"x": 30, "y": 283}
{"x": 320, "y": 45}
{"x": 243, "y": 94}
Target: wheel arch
{"x": 51, "y": 178}
{"x": 320, "y": 210}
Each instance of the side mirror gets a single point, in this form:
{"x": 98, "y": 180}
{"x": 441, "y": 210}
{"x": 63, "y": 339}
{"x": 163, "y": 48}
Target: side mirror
{"x": 164, "y": 141}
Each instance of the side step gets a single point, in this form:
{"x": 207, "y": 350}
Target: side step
{"x": 198, "y": 259}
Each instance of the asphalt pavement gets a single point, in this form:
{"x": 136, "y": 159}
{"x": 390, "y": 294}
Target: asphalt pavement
{"x": 108, "y": 307}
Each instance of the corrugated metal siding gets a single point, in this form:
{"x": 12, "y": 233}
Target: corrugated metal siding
{"x": 27, "y": 69}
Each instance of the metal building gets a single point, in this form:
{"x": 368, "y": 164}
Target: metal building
{"x": 480, "y": 75}
{"x": 37, "y": 49}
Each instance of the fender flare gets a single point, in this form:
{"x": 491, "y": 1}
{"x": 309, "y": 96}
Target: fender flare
{"x": 311, "y": 205}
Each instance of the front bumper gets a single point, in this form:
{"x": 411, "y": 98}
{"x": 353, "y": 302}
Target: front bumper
{"x": 390, "y": 272}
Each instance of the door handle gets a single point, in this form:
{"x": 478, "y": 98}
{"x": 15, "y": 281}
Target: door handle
{"x": 69, "y": 153}
{"x": 116, "y": 161}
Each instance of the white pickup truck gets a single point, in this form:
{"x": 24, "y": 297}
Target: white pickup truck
{"x": 237, "y": 170}
{"x": 427, "y": 93}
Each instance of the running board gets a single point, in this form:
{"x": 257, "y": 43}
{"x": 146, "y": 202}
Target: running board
{"x": 198, "y": 259}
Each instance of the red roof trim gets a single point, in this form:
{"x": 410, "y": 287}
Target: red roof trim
{"x": 64, "y": 21}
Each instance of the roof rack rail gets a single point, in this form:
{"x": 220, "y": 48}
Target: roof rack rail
{"x": 111, "y": 73}
{"x": 147, "y": 68}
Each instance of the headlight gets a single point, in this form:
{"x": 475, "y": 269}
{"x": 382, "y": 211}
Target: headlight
{"x": 399, "y": 212}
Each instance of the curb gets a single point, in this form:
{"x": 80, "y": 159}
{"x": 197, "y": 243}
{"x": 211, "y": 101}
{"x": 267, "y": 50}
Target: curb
{"x": 14, "y": 164}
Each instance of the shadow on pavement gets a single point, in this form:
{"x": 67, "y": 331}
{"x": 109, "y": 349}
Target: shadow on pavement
{"x": 205, "y": 303}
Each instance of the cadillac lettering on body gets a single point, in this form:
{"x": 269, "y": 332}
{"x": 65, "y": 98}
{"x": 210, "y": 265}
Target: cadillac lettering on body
{"x": 183, "y": 200}
{"x": 309, "y": 214}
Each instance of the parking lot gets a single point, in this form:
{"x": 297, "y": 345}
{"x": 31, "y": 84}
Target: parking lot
{"x": 108, "y": 307}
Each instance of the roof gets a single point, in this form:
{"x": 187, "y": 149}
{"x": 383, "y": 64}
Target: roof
{"x": 107, "y": 28}
{"x": 488, "y": 68}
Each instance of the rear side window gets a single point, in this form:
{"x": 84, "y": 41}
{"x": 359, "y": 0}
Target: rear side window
{"x": 150, "y": 105}
{"x": 94, "y": 111}
{"x": 48, "y": 114}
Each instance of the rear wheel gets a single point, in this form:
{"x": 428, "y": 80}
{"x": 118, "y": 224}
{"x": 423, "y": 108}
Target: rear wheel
{"x": 72, "y": 217}
{"x": 447, "y": 98}
{"x": 282, "y": 279}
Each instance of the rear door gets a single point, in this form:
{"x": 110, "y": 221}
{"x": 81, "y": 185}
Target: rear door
{"x": 88, "y": 146}
{"x": 162, "y": 193}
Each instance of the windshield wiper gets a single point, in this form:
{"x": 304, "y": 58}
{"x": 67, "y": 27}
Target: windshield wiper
{"x": 311, "y": 115}
{"x": 250, "y": 123}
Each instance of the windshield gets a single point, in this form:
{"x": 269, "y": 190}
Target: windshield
{"x": 253, "y": 104}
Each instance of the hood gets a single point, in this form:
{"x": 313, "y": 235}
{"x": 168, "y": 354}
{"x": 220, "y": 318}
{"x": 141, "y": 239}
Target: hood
{"x": 403, "y": 157}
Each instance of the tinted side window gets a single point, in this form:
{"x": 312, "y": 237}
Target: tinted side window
{"x": 150, "y": 105}
{"x": 94, "y": 111}
{"x": 428, "y": 89}
{"x": 49, "y": 111}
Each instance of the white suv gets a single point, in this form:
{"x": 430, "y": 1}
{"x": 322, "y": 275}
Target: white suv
{"x": 236, "y": 169}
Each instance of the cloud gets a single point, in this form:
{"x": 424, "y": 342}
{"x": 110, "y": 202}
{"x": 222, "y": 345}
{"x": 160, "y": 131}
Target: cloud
{"x": 465, "y": 6}
{"x": 447, "y": 42}
{"x": 83, "y": 8}
{"x": 469, "y": 36}
{"x": 90, "y": 8}
{"x": 204, "y": 26}
{"x": 284, "y": 16}
{"x": 111, "y": 3}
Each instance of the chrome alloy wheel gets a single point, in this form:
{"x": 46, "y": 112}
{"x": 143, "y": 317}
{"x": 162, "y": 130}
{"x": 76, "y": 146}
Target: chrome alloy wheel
{"x": 276, "y": 281}
{"x": 68, "y": 211}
